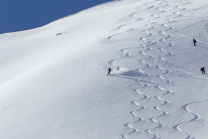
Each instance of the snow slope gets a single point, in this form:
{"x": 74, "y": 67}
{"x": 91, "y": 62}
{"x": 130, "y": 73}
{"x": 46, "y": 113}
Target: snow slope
{"x": 55, "y": 86}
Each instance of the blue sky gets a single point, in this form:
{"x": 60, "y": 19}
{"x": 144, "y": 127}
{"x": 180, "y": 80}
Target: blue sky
{"x": 18, "y": 15}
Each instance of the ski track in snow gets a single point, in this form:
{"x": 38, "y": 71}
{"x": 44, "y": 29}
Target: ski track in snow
{"x": 154, "y": 91}
{"x": 196, "y": 117}
{"x": 148, "y": 47}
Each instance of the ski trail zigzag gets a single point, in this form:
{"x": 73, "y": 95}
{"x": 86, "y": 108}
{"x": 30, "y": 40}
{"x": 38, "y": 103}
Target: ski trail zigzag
{"x": 161, "y": 58}
{"x": 196, "y": 117}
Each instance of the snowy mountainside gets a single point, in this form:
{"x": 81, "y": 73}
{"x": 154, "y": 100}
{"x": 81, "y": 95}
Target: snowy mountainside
{"x": 54, "y": 85}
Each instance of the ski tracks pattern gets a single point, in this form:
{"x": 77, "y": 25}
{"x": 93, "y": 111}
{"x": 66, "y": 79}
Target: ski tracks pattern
{"x": 156, "y": 49}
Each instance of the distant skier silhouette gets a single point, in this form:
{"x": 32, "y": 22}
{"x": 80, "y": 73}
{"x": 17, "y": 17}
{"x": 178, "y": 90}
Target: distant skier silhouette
{"x": 203, "y": 70}
{"x": 194, "y": 41}
{"x": 109, "y": 71}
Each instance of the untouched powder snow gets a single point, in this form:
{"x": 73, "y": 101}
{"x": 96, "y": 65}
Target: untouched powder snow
{"x": 53, "y": 79}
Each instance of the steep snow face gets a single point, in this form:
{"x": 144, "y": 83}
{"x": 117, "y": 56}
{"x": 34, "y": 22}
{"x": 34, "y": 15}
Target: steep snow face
{"x": 53, "y": 79}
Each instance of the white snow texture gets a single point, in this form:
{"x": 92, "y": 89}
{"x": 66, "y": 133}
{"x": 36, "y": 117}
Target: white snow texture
{"x": 53, "y": 79}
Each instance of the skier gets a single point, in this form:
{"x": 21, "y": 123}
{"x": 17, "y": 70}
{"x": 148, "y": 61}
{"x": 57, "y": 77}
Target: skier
{"x": 194, "y": 41}
{"x": 109, "y": 71}
{"x": 203, "y": 70}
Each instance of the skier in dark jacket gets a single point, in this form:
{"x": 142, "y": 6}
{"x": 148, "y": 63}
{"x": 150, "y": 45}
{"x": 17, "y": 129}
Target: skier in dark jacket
{"x": 109, "y": 71}
{"x": 194, "y": 41}
{"x": 203, "y": 70}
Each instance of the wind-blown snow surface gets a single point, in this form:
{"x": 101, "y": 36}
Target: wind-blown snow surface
{"x": 55, "y": 86}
